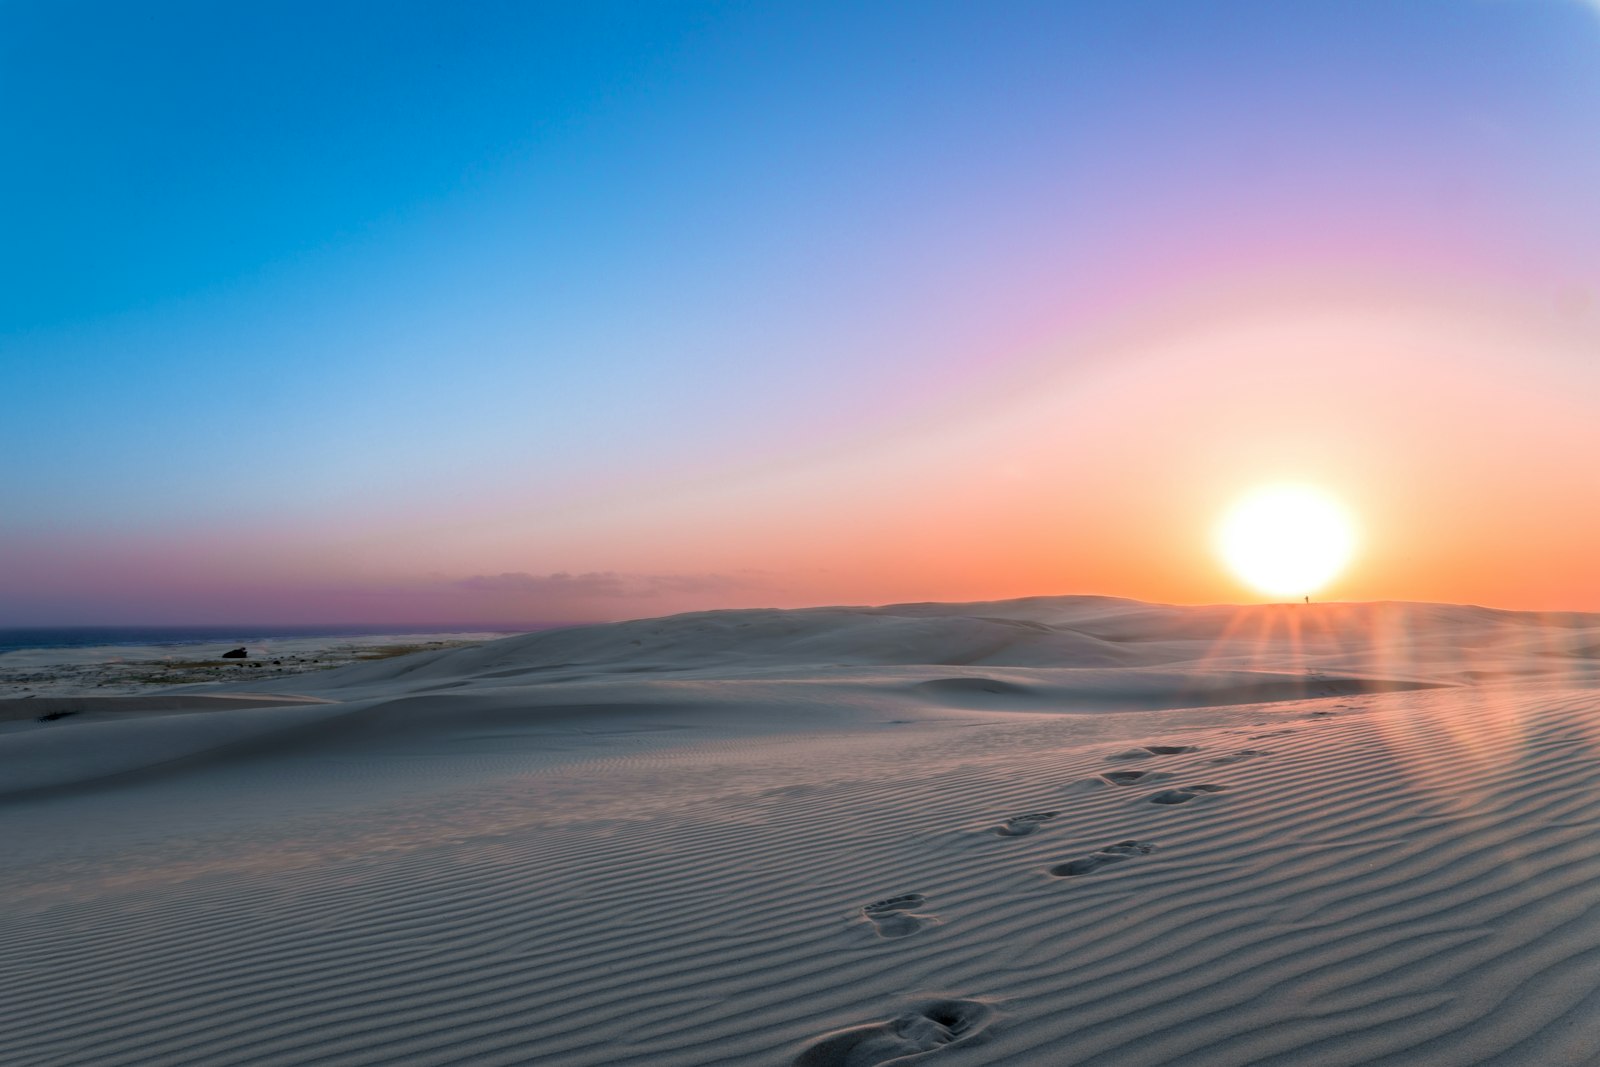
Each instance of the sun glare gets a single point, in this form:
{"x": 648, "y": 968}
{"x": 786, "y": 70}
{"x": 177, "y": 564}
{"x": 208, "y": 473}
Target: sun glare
{"x": 1286, "y": 540}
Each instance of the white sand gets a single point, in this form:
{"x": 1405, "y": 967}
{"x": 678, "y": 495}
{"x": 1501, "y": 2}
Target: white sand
{"x": 1040, "y": 832}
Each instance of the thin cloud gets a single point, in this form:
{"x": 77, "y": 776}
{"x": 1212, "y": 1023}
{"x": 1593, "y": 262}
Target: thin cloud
{"x": 607, "y": 584}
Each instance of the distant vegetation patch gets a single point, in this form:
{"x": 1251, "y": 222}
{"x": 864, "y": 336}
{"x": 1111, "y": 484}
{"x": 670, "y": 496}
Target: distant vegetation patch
{"x": 194, "y": 667}
{"x": 391, "y": 651}
{"x": 179, "y": 672}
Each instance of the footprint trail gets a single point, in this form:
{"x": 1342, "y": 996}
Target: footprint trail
{"x": 931, "y": 1026}
{"x": 892, "y": 916}
{"x": 1095, "y": 860}
{"x": 1184, "y": 794}
{"x": 1023, "y": 825}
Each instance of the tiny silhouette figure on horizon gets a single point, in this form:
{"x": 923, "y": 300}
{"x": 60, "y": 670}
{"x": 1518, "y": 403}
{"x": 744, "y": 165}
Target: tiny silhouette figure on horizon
{"x": 1308, "y": 598}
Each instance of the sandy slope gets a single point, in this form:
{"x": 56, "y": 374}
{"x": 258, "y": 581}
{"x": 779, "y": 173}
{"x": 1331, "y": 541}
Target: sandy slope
{"x": 1050, "y": 831}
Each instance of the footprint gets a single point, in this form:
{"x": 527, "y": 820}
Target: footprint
{"x": 1152, "y": 750}
{"x": 1023, "y": 825}
{"x": 1095, "y": 860}
{"x": 1240, "y": 756}
{"x": 892, "y": 916}
{"x": 1184, "y": 794}
{"x": 932, "y": 1025}
{"x": 1132, "y": 777}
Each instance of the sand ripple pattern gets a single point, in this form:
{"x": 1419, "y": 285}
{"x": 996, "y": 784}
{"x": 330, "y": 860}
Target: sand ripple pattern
{"x": 1411, "y": 879}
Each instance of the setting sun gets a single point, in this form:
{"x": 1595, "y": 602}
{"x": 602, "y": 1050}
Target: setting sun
{"x": 1286, "y": 540}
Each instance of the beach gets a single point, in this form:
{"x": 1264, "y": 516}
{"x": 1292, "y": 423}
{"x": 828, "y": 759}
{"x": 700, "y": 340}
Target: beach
{"x": 1058, "y": 830}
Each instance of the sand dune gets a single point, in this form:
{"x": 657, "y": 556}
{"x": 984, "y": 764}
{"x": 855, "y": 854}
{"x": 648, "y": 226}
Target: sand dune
{"x": 1051, "y": 831}
{"x": 25, "y": 708}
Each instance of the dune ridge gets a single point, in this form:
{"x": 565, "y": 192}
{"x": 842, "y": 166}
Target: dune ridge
{"x": 953, "y": 834}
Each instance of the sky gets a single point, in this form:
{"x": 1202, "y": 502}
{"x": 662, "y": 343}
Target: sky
{"x": 509, "y": 312}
